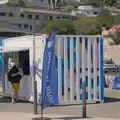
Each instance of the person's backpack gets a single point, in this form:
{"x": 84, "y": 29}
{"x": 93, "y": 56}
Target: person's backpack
{"x": 9, "y": 76}
{"x": 19, "y": 77}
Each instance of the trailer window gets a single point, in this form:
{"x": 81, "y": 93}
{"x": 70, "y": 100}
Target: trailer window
{"x": 24, "y": 61}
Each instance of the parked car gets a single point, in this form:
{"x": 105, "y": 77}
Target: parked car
{"x": 110, "y": 70}
{"x": 110, "y": 67}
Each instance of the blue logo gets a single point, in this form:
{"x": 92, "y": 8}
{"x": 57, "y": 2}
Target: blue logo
{"x": 50, "y": 44}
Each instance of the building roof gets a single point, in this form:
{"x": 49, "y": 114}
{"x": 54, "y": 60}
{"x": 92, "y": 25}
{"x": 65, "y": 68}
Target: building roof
{"x": 55, "y": 12}
{"x": 36, "y": 10}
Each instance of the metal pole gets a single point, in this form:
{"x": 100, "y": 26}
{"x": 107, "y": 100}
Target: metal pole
{"x": 83, "y": 78}
{"x": 35, "y": 97}
{"x": 84, "y": 99}
{"x": 42, "y": 102}
{"x": 35, "y": 82}
{"x": 42, "y": 92}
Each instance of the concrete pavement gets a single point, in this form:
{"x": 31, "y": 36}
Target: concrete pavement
{"x": 110, "y": 110}
{"x": 30, "y": 116}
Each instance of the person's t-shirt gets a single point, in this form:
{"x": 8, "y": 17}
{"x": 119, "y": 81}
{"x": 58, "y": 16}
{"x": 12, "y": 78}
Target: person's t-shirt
{"x": 15, "y": 75}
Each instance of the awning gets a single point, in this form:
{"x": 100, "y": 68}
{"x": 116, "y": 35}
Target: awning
{"x": 7, "y": 50}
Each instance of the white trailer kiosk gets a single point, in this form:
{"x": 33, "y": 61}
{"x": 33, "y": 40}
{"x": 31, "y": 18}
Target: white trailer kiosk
{"x": 78, "y": 58}
{"x": 21, "y": 50}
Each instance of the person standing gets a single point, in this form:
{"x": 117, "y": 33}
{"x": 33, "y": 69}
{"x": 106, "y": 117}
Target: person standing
{"x": 14, "y": 77}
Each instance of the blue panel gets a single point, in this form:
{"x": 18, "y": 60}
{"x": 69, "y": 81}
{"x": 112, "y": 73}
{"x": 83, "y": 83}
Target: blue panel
{"x": 68, "y": 51}
{"x": 74, "y": 42}
{"x": 80, "y": 40}
{"x": 1, "y": 44}
{"x": 68, "y": 63}
{"x": 62, "y": 62}
{"x": 97, "y": 40}
{"x": 86, "y": 95}
{"x": 101, "y": 70}
{"x": 62, "y": 76}
{"x": 86, "y": 81}
{"x": 97, "y": 81}
{"x": 86, "y": 43}
{"x": 98, "y": 95}
{"x": 92, "y": 96}
{"x": 56, "y": 62}
{"x": 92, "y": 83}
{"x": 80, "y": 96}
{"x": 62, "y": 81}
{"x": 68, "y": 42}
{"x": 0, "y": 63}
{"x": 116, "y": 84}
{"x": 92, "y": 54}
{"x": 100, "y": 82}
{"x": 74, "y": 52}
{"x": 81, "y": 83}
{"x": 80, "y": 70}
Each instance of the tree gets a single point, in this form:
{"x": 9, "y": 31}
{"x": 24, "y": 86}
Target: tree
{"x": 69, "y": 8}
{"x": 117, "y": 5}
{"x": 11, "y": 4}
{"x": 117, "y": 19}
{"x": 21, "y": 3}
{"x": 111, "y": 2}
{"x": 85, "y": 26}
{"x": 88, "y": 26}
{"x": 99, "y": 3}
{"x": 92, "y": 26}
{"x": 18, "y": 3}
{"x": 96, "y": 3}
{"x": 61, "y": 26}
{"x": 106, "y": 19}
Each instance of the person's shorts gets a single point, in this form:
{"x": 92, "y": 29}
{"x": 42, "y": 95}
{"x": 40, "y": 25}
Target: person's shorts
{"x": 15, "y": 87}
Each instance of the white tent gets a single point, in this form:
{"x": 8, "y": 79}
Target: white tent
{"x": 11, "y": 48}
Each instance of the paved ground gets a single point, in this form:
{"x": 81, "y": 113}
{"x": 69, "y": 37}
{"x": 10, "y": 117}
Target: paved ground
{"x": 109, "y": 109}
{"x": 28, "y": 116}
